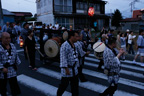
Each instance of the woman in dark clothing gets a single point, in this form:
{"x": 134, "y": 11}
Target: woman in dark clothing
{"x": 30, "y": 49}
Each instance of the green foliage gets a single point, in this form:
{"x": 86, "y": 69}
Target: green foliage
{"x": 116, "y": 18}
{"x": 31, "y": 19}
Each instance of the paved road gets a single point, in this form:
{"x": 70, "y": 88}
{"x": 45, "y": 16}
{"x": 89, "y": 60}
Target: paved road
{"x": 45, "y": 81}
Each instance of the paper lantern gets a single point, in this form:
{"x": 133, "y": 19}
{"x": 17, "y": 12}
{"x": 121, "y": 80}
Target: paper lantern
{"x": 91, "y": 11}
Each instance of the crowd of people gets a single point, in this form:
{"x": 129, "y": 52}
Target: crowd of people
{"x": 72, "y": 55}
{"x": 127, "y": 40}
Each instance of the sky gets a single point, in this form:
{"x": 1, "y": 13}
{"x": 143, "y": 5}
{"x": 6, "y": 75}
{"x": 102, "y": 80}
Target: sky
{"x": 111, "y": 6}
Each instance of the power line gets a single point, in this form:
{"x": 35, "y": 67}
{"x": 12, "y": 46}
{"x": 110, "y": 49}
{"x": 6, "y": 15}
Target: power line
{"x": 132, "y": 4}
{"x": 126, "y": 10}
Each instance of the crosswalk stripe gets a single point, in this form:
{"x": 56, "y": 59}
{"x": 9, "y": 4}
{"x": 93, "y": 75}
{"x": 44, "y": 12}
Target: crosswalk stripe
{"x": 126, "y": 61}
{"x": 124, "y": 81}
{"x": 88, "y": 85}
{"x": 131, "y": 62}
{"x": 21, "y": 50}
{"x": 45, "y": 88}
{"x": 92, "y": 55}
{"x": 135, "y": 74}
{"x": 123, "y": 65}
{"x": 100, "y": 88}
{"x": 133, "y": 67}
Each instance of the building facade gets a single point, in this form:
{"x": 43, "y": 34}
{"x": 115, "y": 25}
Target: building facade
{"x": 71, "y": 13}
{"x": 8, "y": 16}
{"x": 135, "y": 23}
{"x": 22, "y": 16}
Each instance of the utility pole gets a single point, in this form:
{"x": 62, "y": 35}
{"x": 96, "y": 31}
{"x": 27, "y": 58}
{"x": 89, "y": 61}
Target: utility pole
{"x": 1, "y": 15}
{"x": 132, "y": 4}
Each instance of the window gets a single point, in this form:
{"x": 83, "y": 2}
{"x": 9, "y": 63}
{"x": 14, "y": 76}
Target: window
{"x": 59, "y": 20}
{"x": 67, "y": 20}
{"x": 63, "y": 6}
{"x": 85, "y": 6}
{"x": 77, "y": 5}
{"x": 97, "y": 7}
{"x": 134, "y": 27}
{"x": 65, "y": 3}
{"x": 58, "y": 2}
{"x": 81, "y": 6}
{"x": 64, "y": 22}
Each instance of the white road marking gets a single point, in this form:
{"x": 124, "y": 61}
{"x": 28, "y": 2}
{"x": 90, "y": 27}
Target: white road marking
{"x": 42, "y": 87}
{"x": 126, "y": 61}
{"x": 124, "y": 81}
{"x": 21, "y": 50}
{"x": 135, "y": 74}
{"x": 88, "y": 85}
{"x": 123, "y": 65}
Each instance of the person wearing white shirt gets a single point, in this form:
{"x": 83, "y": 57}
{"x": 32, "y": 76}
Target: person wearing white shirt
{"x": 50, "y": 26}
{"x": 130, "y": 42}
{"x": 57, "y": 26}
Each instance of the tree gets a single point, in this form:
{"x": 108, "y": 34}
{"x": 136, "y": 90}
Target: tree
{"x": 116, "y": 18}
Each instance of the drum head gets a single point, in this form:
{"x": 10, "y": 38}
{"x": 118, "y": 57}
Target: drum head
{"x": 99, "y": 47}
{"x": 51, "y": 48}
{"x": 65, "y": 35}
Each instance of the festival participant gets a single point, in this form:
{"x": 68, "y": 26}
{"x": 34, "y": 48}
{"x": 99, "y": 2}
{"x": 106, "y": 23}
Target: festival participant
{"x": 9, "y": 60}
{"x": 69, "y": 65}
{"x": 81, "y": 56}
{"x": 111, "y": 66}
{"x": 103, "y": 39}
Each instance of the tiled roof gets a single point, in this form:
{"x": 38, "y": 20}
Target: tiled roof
{"x": 6, "y": 12}
{"x": 22, "y": 13}
{"x": 131, "y": 19}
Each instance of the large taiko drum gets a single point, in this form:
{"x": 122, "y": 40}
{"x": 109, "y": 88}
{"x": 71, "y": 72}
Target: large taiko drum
{"x": 52, "y": 47}
{"x": 65, "y": 35}
{"x": 99, "y": 48}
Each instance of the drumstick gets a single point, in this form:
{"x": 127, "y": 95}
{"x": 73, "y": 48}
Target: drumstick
{"x": 98, "y": 45}
{"x": 27, "y": 55}
{"x": 40, "y": 52}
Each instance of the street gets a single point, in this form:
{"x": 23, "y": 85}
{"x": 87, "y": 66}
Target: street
{"x": 45, "y": 81}
{"x": 52, "y": 22}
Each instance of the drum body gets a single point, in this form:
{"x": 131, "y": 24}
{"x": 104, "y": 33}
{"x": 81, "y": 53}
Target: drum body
{"x": 52, "y": 47}
{"x": 99, "y": 48}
